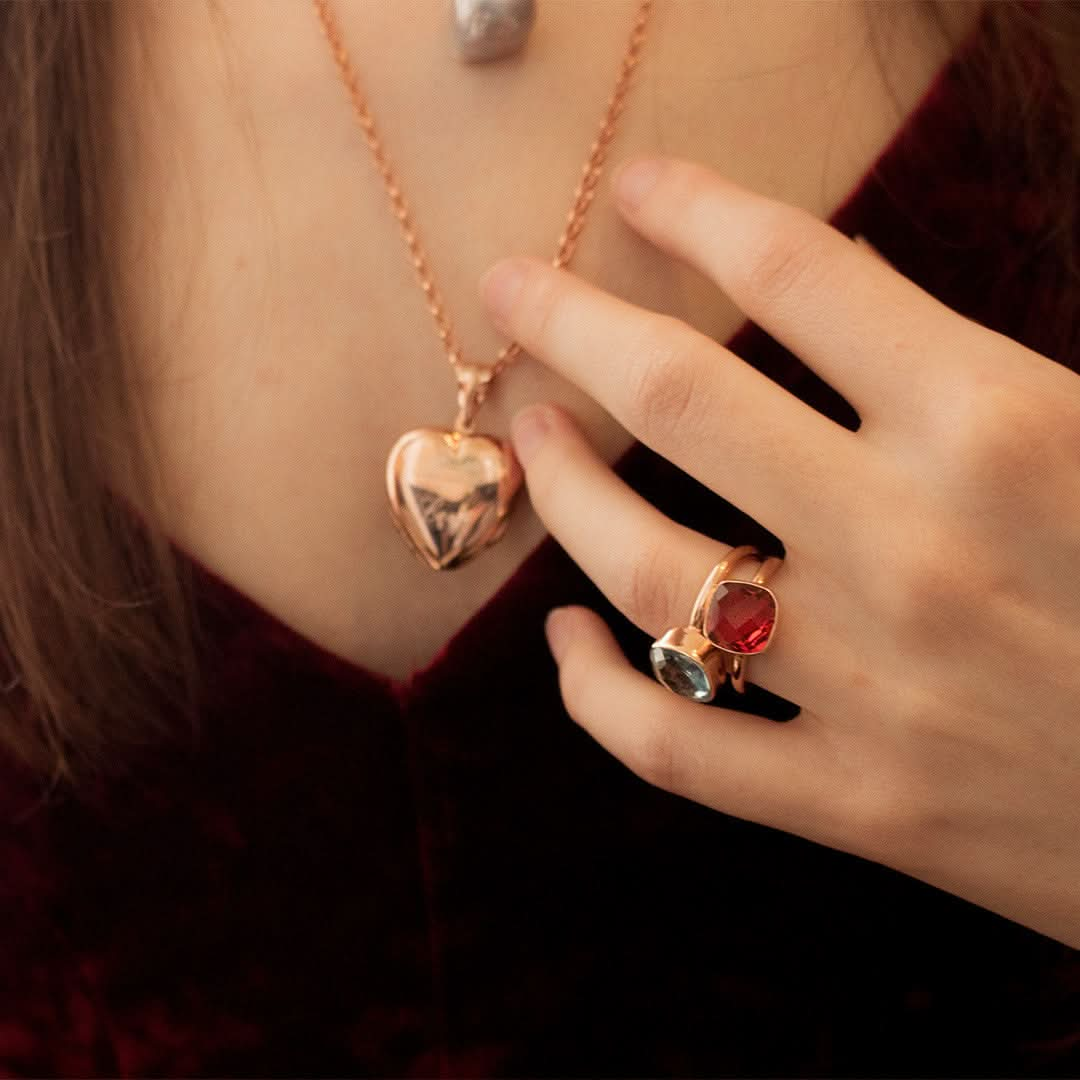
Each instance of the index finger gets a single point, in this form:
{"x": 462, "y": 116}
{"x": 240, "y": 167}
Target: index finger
{"x": 687, "y": 397}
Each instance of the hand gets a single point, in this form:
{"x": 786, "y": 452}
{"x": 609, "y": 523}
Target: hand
{"x": 929, "y": 621}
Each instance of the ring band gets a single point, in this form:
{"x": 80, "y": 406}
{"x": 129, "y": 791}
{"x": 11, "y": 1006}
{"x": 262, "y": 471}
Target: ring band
{"x": 685, "y": 659}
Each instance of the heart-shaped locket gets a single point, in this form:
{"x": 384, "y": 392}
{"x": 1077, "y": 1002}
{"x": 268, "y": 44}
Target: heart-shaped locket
{"x": 451, "y": 492}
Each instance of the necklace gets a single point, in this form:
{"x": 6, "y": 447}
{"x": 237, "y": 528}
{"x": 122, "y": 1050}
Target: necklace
{"x": 451, "y": 491}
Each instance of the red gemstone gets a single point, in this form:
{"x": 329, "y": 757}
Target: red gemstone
{"x": 741, "y": 616}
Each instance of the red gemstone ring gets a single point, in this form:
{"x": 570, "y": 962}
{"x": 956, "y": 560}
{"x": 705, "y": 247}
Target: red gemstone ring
{"x": 731, "y": 620}
{"x": 741, "y": 618}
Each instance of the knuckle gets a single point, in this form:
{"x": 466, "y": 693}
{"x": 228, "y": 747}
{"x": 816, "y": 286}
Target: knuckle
{"x": 542, "y": 299}
{"x": 939, "y": 574}
{"x": 915, "y": 586}
{"x": 940, "y": 582}
{"x": 648, "y": 599}
{"x": 1000, "y": 434}
{"x": 662, "y": 378}
{"x": 789, "y": 255}
{"x": 654, "y": 755}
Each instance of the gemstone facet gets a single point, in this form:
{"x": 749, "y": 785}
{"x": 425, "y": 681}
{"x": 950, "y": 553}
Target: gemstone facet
{"x": 681, "y": 673}
{"x": 741, "y": 616}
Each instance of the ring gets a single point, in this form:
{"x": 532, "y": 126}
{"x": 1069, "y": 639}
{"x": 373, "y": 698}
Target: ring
{"x": 742, "y": 618}
{"x": 683, "y": 658}
{"x": 732, "y": 619}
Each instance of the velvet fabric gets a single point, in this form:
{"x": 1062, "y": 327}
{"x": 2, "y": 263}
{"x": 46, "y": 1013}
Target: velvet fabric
{"x": 445, "y": 876}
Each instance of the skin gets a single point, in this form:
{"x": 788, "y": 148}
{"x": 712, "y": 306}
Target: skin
{"x": 262, "y": 288}
{"x": 264, "y": 279}
{"x": 283, "y": 340}
{"x": 953, "y": 757}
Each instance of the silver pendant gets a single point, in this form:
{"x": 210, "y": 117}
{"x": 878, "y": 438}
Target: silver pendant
{"x": 490, "y": 29}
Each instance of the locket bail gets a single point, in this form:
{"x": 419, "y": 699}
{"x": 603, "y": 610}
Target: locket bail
{"x": 473, "y": 383}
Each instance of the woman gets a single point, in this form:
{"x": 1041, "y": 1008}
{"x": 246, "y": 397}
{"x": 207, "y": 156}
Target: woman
{"x": 388, "y": 851}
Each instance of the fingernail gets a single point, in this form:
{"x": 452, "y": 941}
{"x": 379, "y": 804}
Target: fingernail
{"x": 634, "y": 180}
{"x": 500, "y": 285}
{"x": 555, "y": 630}
{"x": 528, "y": 429}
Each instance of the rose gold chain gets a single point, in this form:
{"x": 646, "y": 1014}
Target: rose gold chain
{"x": 575, "y": 221}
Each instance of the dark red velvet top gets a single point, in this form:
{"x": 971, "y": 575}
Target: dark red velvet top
{"x": 445, "y": 876}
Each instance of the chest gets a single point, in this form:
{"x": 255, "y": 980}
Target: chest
{"x": 284, "y": 340}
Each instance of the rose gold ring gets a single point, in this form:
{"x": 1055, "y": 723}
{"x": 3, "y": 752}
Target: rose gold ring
{"x": 741, "y": 619}
{"x": 685, "y": 659}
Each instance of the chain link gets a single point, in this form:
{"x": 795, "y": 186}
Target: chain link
{"x": 575, "y": 220}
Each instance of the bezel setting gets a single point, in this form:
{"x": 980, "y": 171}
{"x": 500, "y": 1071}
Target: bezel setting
{"x": 753, "y": 640}
{"x": 694, "y": 661}
{"x": 691, "y": 662}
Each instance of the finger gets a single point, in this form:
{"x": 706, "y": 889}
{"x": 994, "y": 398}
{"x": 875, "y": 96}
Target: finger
{"x": 873, "y": 334}
{"x": 686, "y": 396}
{"x": 648, "y": 566}
{"x": 785, "y": 775}
{"x": 652, "y": 568}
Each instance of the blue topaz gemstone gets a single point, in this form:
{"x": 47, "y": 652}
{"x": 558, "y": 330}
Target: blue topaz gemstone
{"x": 681, "y": 673}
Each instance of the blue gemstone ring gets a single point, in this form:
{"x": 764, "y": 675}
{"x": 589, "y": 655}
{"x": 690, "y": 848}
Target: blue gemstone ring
{"x": 690, "y": 663}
